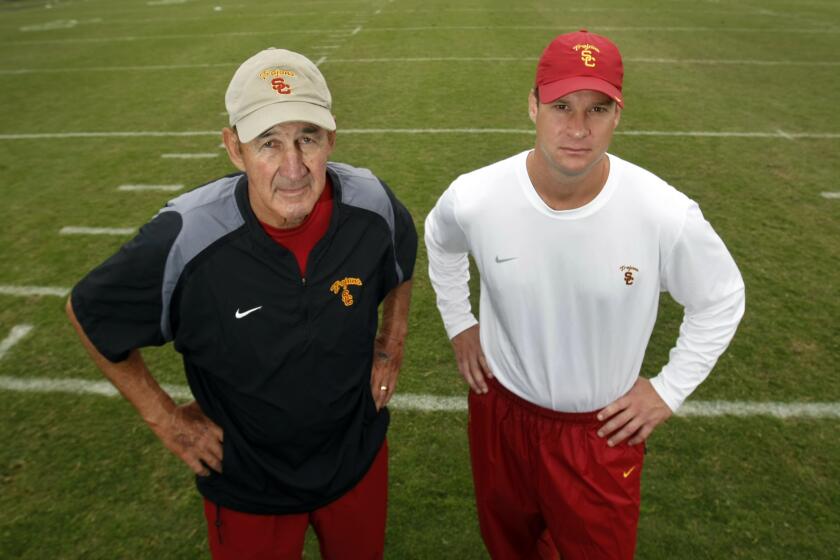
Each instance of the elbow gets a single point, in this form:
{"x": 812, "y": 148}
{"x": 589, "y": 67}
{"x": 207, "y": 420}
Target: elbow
{"x": 741, "y": 304}
{"x": 68, "y": 309}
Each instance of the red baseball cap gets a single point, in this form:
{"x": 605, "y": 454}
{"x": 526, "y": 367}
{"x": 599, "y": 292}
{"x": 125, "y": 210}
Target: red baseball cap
{"x": 580, "y": 60}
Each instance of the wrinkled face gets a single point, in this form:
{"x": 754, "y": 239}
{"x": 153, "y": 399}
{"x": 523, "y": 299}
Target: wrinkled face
{"x": 573, "y": 131}
{"x": 287, "y": 170}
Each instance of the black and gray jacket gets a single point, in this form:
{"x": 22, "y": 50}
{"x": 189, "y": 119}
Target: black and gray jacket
{"x": 282, "y": 363}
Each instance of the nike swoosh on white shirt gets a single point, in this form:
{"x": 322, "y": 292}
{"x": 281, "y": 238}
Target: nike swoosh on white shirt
{"x": 498, "y": 260}
{"x": 245, "y": 313}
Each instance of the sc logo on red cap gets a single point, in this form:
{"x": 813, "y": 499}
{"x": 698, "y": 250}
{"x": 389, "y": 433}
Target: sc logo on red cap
{"x": 586, "y": 54}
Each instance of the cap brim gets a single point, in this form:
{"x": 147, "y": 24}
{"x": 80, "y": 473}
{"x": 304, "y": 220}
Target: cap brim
{"x": 550, "y": 92}
{"x": 252, "y": 125}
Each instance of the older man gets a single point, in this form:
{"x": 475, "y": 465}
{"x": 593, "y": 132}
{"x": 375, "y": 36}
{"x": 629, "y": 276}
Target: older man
{"x": 269, "y": 283}
{"x": 574, "y": 246}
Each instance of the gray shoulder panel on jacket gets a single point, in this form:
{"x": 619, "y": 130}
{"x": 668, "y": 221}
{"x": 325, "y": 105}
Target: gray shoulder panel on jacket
{"x": 208, "y": 213}
{"x": 362, "y": 189}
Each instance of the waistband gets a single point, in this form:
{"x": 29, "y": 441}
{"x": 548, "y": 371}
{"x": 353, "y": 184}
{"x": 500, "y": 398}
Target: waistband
{"x": 577, "y": 417}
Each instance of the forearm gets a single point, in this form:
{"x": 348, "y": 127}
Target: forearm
{"x": 704, "y": 336}
{"x": 131, "y": 377}
{"x": 389, "y": 344}
{"x": 449, "y": 269}
{"x": 395, "y": 306}
{"x": 449, "y": 274}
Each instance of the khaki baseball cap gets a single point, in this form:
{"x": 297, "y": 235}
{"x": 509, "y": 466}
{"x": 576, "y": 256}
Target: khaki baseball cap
{"x": 276, "y": 86}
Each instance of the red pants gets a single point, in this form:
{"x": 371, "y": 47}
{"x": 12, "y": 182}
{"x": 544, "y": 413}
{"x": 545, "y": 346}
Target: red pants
{"x": 544, "y": 479}
{"x": 351, "y": 527}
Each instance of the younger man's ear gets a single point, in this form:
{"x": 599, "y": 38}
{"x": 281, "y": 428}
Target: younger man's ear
{"x": 533, "y": 106}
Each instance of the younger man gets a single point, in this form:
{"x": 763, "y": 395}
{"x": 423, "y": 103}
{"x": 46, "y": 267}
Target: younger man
{"x": 574, "y": 246}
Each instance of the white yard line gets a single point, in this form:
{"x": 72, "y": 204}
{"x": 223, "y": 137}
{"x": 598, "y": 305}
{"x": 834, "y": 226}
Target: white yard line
{"x": 77, "y": 386}
{"x": 784, "y": 134}
{"x": 151, "y": 67}
{"x": 199, "y": 155}
{"x": 133, "y": 38}
{"x": 118, "y": 15}
{"x": 713, "y": 134}
{"x": 428, "y": 403}
{"x": 491, "y": 59}
{"x": 734, "y": 61}
{"x": 25, "y": 291}
{"x": 433, "y": 403}
{"x": 831, "y": 195}
{"x": 81, "y": 230}
{"x": 15, "y": 336}
{"x": 415, "y": 131}
{"x": 677, "y": 29}
{"x": 570, "y": 9}
{"x": 746, "y": 408}
{"x": 121, "y": 134}
{"x": 644, "y": 29}
{"x": 169, "y": 188}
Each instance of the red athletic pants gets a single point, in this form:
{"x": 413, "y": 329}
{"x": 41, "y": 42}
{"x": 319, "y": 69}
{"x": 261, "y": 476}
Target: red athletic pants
{"x": 544, "y": 479}
{"x": 351, "y": 527}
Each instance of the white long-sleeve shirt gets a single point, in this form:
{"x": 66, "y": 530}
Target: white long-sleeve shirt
{"x": 569, "y": 298}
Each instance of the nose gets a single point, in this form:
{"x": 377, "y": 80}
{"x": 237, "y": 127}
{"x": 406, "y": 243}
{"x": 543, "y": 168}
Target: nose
{"x": 292, "y": 166}
{"x": 577, "y": 126}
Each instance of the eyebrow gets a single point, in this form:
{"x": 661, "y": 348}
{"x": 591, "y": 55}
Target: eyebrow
{"x": 310, "y": 129}
{"x": 606, "y": 103}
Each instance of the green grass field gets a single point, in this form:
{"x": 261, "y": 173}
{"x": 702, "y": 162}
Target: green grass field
{"x": 82, "y": 477}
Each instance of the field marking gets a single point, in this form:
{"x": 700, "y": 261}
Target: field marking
{"x": 216, "y": 16}
{"x": 358, "y": 28}
{"x": 709, "y": 409}
{"x": 34, "y": 291}
{"x": 784, "y": 134}
{"x": 712, "y": 134}
{"x": 644, "y": 28}
{"x": 158, "y": 67}
{"x": 15, "y": 335}
{"x": 713, "y": 61}
{"x": 51, "y": 25}
{"x": 196, "y": 155}
{"x": 77, "y": 387}
{"x": 831, "y": 194}
{"x": 130, "y": 38}
{"x": 121, "y": 134}
{"x": 582, "y": 10}
{"x": 435, "y": 403}
{"x": 81, "y": 230}
{"x": 320, "y": 61}
{"x": 778, "y": 134}
{"x": 132, "y": 188}
{"x": 298, "y": 14}
{"x": 152, "y": 67}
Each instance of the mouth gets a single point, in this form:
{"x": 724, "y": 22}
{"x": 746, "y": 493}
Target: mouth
{"x": 291, "y": 190}
{"x": 574, "y": 151}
